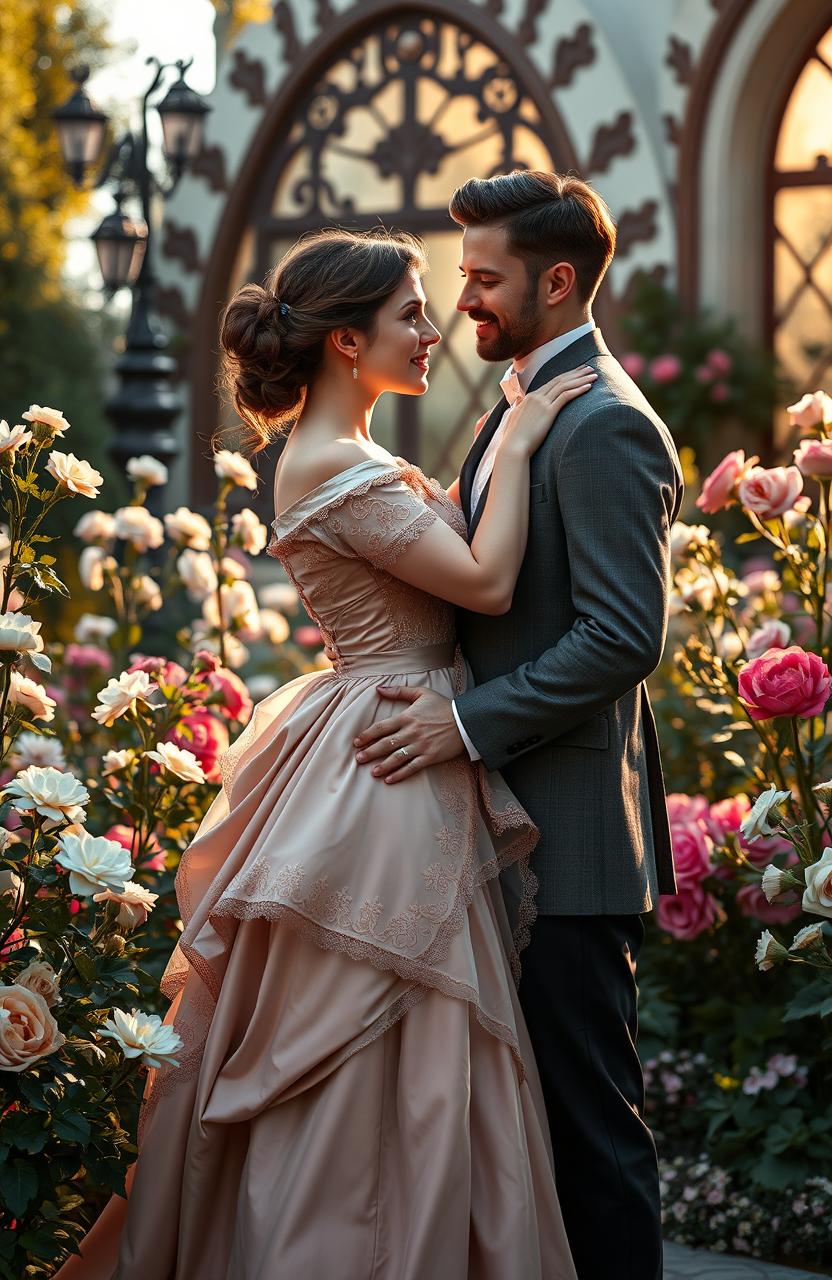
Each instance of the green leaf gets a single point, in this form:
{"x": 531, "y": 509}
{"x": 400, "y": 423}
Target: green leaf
{"x": 18, "y": 1186}
{"x": 72, "y": 1127}
{"x": 85, "y": 966}
{"x": 813, "y": 1000}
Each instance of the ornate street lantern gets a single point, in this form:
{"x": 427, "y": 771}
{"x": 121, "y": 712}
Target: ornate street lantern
{"x": 119, "y": 242}
{"x": 182, "y": 112}
{"x": 81, "y": 128}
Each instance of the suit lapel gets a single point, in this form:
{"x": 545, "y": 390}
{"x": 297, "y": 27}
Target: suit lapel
{"x": 478, "y": 448}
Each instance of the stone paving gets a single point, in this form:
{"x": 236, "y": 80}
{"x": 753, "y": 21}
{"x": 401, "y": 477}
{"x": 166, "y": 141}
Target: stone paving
{"x": 691, "y": 1264}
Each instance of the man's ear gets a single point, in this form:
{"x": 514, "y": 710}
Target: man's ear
{"x": 558, "y": 283}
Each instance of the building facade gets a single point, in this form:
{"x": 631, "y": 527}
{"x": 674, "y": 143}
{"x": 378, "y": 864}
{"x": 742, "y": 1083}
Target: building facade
{"x": 705, "y": 124}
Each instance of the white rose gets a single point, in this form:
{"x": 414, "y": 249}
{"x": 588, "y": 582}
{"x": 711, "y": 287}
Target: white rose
{"x": 249, "y": 531}
{"x": 55, "y": 795}
{"x": 145, "y": 1036}
{"x": 115, "y": 761}
{"x": 39, "y": 976}
{"x": 234, "y": 467}
{"x": 687, "y": 537}
{"x": 189, "y": 529}
{"x": 729, "y": 646}
{"x": 93, "y": 862}
{"x": 93, "y": 628}
{"x": 135, "y": 904}
{"x": 96, "y": 526}
{"x": 13, "y": 438}
{"x": 91, "y": 567}
{"x": 275, "y": 627}
{"x": 196, "y": 569}
{"x": 74, "y": 475}
{"x": 810, "y": 411}
{"x": 279, "y": 595}
{"x": 147, "y": 593}
{"x": 27, "y": 693}
{"x": 176, "y": 760}
{"x": 37, "y": 748}
{"x": 817, "y": 899}
{"x": 122, "y": 694}
{"x": 19, "y": 633}
{"x": 138, "y": 527}
{"x": 28, "y": 1031}
{"x": 52, "y": 418}
{"x": 239, "y": 605}
{"x": 702, "y": 588}
{"x": 773, "y": 634}
{"x": 758, "y": 821}
{"x": 231, "y": 569}
{"x": 769, "y": 951}
{"x": 147, "y": 470}
{"x": 809, "y": 936}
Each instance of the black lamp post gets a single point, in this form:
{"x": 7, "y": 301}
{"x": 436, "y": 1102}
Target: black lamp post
{"x": 146, "y": 402}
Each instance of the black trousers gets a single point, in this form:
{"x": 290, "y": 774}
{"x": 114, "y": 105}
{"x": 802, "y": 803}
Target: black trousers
{"x": 578, "y": 995}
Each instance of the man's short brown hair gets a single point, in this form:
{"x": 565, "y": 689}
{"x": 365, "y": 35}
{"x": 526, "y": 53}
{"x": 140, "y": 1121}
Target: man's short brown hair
{"x": 548, "y": 218}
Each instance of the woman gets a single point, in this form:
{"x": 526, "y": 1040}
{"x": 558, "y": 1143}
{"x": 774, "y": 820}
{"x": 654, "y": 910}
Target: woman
{"x": 356, "y": 1096}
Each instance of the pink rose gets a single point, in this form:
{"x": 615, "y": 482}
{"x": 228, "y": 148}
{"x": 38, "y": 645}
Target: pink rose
{"x": 769, "y": 491}
{"x": 633, "y": 364}
{"x": 206, "y": 661}
{"x": 785, "y": 682}
{"x": 720, "y": 392}
{"x": 309, "y": 636}
{"x": 811, "y": 410}
{"x": 814, "y": 458}
{"x": 753, "y": 903}
{"x": 720, "y": 362}
{"x": 161, "y": 669}
{"x": 726, "y": 816}
{"x": 206, "y": 736}
{"x": 687, "y": 914}
{"x": 764, "y": 848}
{"x": 665, "y": 368}
{"x": 704, "y": 374}
{"x": 236, "y": 702}
{"x": 87, "y": 655}
{"x": 772, "y": 634}
{"x": 719, "y": 489}
{"x": 682, "y": 809}
{"x": 692, "y": 848}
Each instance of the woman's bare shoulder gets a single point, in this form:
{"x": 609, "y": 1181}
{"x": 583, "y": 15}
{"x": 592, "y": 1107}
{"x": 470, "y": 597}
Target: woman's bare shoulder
{"x": 306, "y": 469}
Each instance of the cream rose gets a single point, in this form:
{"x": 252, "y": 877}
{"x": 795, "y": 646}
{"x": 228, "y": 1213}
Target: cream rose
{"x": 176, "y": 760}
{"x": 37, "y": 748}
{"x": 27, "y": 693}
{"x": 74, "y": 475}
{"x": 39, "y": 976}
{"x": 91, "y": 567}
{"x": 231, "y": 570}
{"x": 46, "y": 417}
{"x": 239, "y": 606}
{"x": 122, "y": 694}
{"x": 55, "y": 795}
{"x": 19, "y": 633}
{"x": 28, "y": 1031}
{"x": 147, "y": 593}
{"x": 13, "y": 438}
{"x": 188, "y": 529}
{"x": 96, "y": 526}
{"x": 135, "y": 904}
{"x": 93, "y": 628}
{"x": 248, "y": 530}
{"x": 93, "y": 862}
{"x": 275, "y": 626}
{"x": 817, "y": 898}
{"x": 687, "y": 537}
{"x": 115, "y": 761}
{"x": 196, "y": 569}
{"x": 236, "y": 468}
{"x": 147, "y": 470}
{"x": 810, "y": 411}
{"x": 279, "y": 595}
{"x": 145, "y": 1036}
{"x": 138, "y": 527}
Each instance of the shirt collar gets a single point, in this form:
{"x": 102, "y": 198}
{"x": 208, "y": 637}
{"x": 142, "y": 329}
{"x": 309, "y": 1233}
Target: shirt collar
{"x": 527, "y": 366}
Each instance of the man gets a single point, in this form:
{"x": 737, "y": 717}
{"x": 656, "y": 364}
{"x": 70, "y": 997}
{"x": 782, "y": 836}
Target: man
{"x": 559, "y": 705}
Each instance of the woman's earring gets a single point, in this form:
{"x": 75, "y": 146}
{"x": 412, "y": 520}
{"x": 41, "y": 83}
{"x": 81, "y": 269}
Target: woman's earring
{"x": 355, "y": 365}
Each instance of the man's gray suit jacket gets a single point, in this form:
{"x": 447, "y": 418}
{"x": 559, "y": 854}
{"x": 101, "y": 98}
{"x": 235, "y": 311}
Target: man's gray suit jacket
{"x": 559, "y": 705}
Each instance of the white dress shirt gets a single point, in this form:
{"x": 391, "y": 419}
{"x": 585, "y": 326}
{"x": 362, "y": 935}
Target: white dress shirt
{"x": 515, "y": 383}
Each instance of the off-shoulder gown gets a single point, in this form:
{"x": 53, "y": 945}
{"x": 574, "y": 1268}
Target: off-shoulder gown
{"x": 356, "y": 1098}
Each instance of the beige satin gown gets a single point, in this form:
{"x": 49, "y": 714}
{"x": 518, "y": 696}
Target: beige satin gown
{"x": 356, "y": 1098}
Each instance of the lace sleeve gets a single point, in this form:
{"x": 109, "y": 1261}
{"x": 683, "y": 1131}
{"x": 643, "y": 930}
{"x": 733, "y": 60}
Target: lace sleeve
{"x": 378, "y": 524}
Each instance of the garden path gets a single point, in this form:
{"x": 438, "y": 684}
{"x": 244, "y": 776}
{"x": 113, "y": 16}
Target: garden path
{"x": 692, "y": 1264}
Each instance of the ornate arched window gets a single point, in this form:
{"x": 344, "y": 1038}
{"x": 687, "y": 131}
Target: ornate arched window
{"x": 801, "y": 294}
{"x": 406, "y": 110}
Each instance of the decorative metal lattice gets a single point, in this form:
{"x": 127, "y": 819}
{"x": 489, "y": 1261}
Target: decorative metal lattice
{"x": 802, "y": 179}
{"x": 399, "y": 119}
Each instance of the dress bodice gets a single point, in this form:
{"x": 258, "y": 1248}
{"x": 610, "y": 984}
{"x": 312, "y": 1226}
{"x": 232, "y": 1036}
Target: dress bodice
{"x": 338, "y": 542}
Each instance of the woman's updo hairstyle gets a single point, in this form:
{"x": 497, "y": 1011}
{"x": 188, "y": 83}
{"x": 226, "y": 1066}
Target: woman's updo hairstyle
{"x": 273, "y": 336}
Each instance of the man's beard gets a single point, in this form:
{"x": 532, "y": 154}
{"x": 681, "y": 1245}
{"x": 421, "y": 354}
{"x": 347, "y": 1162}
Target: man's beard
{"x": 515, "y": 336}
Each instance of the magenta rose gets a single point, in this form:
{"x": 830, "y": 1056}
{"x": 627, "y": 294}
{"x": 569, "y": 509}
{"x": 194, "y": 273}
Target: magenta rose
{"x": 682, "y": 809}
{"x": 720, "y": 362}
{"x": 814, "y": 458}
{"x": 206, "y": 736}
{"x": 692, "y": 848}
{"x": 719, "y": 489}
{"x": 86, "y": 656}
{"x": 665, "y": 368}
{"x": 633, "y": 364}
{"x": 785, "y": 682}
{"x": 204, "y": 660}
{"x": 687, "y": 914}
{"x": 720, "y": 392}
{"x": 236, "y": 703}
{"x": 769, "y": 491}
{"x": 726, "y": 816}
{"x": 753, "y": 903}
